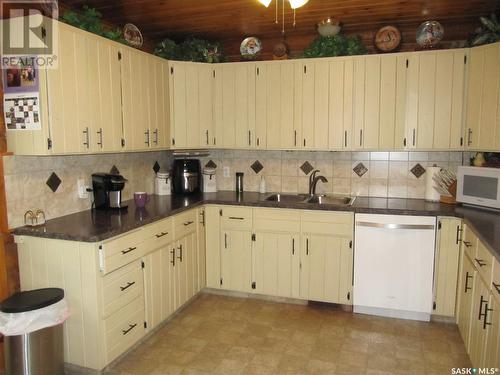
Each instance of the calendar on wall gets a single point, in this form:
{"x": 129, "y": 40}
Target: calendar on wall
{"x": 21, "y": 101}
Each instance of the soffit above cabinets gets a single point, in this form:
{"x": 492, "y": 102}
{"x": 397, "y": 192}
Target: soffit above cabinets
{"x": 229, "y": 19}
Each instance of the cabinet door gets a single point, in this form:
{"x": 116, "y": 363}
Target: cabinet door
{"x": 359, "y": 102}
{"x": 158, "y": 286}
{"x": 326, "y": 269}
{"x": 244, "y": 106}
{"x": 192, "y": 129}
{"x": 159, "y": 126}
{"x": 478, "y": 328}
{"x": 178, "y": 104}
{"x": 483, "y": 101}
{"x": 288, "y": 133}
{"x": 307, "y": 103}
{"x": 236, "y": 260}
{"x": 206, "y": 105}
{"x": 492, "y": 356}
{"x": 68, "y": 93}
{"x": 213, "y": 248}
{"x": 447, "y": 265}
{"x": 218, "y": 106}
{"x": 341, "y": 103}
{"x": 275, "y": 263}
{"x": 274, "y": 92}
{"x": 370, "y": 136}
{"x": 201, "y": 249}
{"x": 228, "y": 135}
{"x": 466, "y": 294}
{"x": 261, "y": 105}
{"x": 181, "y": 272}
{"x": 390, "y": 107}
{"x": 190, "y": 256}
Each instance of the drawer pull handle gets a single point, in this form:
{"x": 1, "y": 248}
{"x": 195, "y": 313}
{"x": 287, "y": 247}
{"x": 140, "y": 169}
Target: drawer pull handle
{"x": 180, "y": 253}
{"x": 236, "y": 218}
{"x": 467, "y": 277}
{"x": 485, "y": 321}
{"x": 161, "y": 234}
{"x": 188, "y": 223}
{"x": 129, "y": 284}
{"x": 497, "y": 287}
{"x": 128, "y": 250}
{"x": 467, "y": 244}
{"x": 480, "y": 262}
{"x": 130, "y": 328}
{"x": 481, "y": 301}
{"x": 173, "y": 257}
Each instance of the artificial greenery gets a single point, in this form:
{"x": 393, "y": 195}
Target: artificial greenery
{"x": 191, "y": 49}
{"x": 90, "y": 19}
{"x": 488, "y": 32}
{"x": 337, "y": 45}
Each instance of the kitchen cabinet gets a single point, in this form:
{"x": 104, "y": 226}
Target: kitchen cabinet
{"x": 207, "y": 131}
{"x": 492, "y": 354}
{"x": 447, "y": 265}
{"x": 201, "y": 249}
{"x": 468, "y": 276}
{"x": 483, "y": 102}
{"x": 236, "y": 248}
{"x": 478, "y": 323}
{"x": 326, "y": 257}
{"x": 213, "y": 248}
{"x": 262, "y": 90}
{"x": 276, "y": 252}
{"x": 435, "y": 94}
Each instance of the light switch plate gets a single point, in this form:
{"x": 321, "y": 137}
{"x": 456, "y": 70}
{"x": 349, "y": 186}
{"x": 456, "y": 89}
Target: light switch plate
{"x": 82, "y": 189}
{"x": 226, "y": 171}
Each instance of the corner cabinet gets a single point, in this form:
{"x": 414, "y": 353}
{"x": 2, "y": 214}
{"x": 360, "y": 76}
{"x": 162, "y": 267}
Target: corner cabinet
{"x": 119, "y": 289}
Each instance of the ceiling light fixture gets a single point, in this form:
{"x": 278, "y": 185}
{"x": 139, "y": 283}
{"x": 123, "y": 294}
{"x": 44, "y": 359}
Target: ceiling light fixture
{"x": 294, "y": 4}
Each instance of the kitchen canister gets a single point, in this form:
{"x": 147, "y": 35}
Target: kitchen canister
{"x": 209, "y": 180}
{"x": 162, "y": 183}
{"x": 431, "y": 194}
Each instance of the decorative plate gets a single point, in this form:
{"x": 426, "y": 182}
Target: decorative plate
{"x": 429, "y": 34}
{"x": 132, "y": 35}
{"x": 250, "y": 48}
{"x": 388, "y": 38}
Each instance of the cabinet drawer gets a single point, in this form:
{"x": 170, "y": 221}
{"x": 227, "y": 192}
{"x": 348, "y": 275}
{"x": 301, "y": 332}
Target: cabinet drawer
{"x": 484, "y": 263}
{"x": 123, "y": 250}
{"x": 184, "y": 223}
{"x": 236, "y": 218}
{"x": 158, "y": 235}
{"x": 124, "y": 328}
{"x": 276, "y": 220}
{"x": 469, "y": 242}
{"x": 122, "y": 286}
{"x": 495, "y": 285}
{"x": 338, "y": 223}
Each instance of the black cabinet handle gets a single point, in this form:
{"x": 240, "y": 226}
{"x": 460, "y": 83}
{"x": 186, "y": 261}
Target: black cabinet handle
{"x": 87, "y": 139}
{"x": 307, "y": 246}
{"x": 467, "y": 277}
{"x": 497, "y": 287}
{"x": 481, "y": 301}
{"x": 128, "y": 250}
{"x": 100, "y": 137}
{"x": 295, "y": 137}
{"x": 161, "y": 234}
{"x": 293, "y": 246}
{"x": 361, "y": 137}
{"x": 459, "y": 230}
{"x": 188, "y": 223}
{"x": 156, "y": 136}
{"x": 146, "y": 133}
{"x": 345, "y": 138}
{"x": 173, "y": 257}
{"x": 249, "y": 138}
{"x": 467, "y": 244}
{"x": 480, "y": 262}
{"x": 485, "y": 321}
{"x": 130, "y": 328}
{"x": 206, "y": 133}
{"x": 236, "y": 218}
{"x": 202, "y": 214}
{"x": 225, "y": 240}
{"x": 180, "y": 253}
{"x": 414, "y": 137}
{"x": 129, "y": 284}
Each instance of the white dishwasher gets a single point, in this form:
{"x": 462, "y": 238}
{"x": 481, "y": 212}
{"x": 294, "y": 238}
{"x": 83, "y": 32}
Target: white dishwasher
{"x": 394, "y": 265}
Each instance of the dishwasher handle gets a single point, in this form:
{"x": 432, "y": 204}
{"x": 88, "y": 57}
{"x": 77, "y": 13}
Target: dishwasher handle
{"x": 395, "y": 226}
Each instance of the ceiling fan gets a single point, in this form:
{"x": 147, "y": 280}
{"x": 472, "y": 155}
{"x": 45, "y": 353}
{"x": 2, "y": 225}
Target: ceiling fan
{"x": 293, "y": 3}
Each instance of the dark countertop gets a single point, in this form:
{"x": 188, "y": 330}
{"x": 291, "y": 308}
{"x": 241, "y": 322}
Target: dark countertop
{"x": 95, "y": 226}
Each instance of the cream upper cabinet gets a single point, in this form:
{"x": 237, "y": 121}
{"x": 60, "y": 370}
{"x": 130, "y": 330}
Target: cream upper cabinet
{"x": 159, "y": 130}
{"x": 183, "y": 89}
{"x": 435, "y": 96}
{"x": 483, "y": 100}
{"x": 244, "y": 105}
{"x": 446, "y": 265}
{"x": 261, "y": 106}
{"x": 207, "y": 131}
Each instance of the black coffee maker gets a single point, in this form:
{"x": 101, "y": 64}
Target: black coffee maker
{"x": 108, "y": 191}
{"x": 186, "y": 176}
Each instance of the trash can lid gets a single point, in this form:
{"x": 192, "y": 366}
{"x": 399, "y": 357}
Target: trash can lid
{"x": 31, "y": 300}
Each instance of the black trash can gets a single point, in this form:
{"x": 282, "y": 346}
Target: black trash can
{"x": 40, "y": 352}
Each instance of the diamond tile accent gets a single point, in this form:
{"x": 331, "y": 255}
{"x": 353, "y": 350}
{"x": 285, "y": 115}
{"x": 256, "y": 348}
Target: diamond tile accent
{"x": 53, "y": 182}
{"x": 306, "y": 167}
{"x": 417, "y": 170}
{"x": 114, "y": 170}
{"x": 257, "y": 166}
{"x": 211, "y": 164}
{"x": 360, "y": 169}
{"x": 156, "y": 167}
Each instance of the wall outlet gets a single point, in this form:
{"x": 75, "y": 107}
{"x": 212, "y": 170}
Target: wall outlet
{"x": 226, "y": 171}
{"x": 82, "y": 189}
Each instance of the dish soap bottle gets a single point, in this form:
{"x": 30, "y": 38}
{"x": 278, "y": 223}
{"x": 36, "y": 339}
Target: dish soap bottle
{"x": 262, "y": 186}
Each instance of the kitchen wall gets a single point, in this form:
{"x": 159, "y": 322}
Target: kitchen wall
{"x": 379, "y": 174}
{"x": 26, "y": 180}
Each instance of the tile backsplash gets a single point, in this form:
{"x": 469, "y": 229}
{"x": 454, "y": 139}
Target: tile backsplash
{"x": 378, "y": 174}
{"x": 26, "y": 180}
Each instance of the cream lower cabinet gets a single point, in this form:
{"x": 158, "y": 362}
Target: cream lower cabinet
{"x": 447, "y": 259}
{"x": 492, "y": 354}
{"x": 119, "y": 289}
{"x": 326, "y": 257}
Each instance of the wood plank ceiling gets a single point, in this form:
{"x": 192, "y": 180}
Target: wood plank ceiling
{"x": 230, "y": 21}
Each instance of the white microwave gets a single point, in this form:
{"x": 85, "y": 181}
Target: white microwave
{"x": 479, "y": 186}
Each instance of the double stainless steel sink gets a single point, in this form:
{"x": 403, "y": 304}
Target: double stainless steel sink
{"x": 330, "y": 199}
